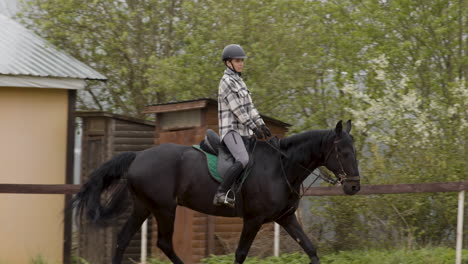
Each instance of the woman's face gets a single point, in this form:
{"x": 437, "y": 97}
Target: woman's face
{"x": 238, "y": 64}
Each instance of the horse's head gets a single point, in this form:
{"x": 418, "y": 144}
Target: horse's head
{"x": 340, "y": 158}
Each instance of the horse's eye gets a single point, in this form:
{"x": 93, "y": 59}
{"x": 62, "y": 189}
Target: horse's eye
{"x": 347, "y": 154}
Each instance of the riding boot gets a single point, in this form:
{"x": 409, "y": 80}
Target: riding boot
{"x": 221, "y": 196}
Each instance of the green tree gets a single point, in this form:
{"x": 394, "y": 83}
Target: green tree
{"x": 408, "y": 99}
{"x": 118, "y": 38}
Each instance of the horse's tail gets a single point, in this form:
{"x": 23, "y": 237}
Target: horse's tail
{"x": 88, "y": 199}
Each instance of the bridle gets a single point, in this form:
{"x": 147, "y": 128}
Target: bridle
{"x": 343, "y": 176}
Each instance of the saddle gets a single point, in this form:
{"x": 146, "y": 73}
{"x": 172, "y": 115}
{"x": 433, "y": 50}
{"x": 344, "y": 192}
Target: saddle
{"x": 213, "y": 145}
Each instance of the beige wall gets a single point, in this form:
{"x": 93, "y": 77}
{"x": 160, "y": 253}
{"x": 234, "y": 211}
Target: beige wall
{"x": 33, "y": 130}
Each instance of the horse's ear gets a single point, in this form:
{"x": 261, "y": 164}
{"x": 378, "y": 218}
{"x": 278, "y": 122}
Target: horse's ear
{"x": 339, "y": 128}
{"x": 348, "y": 126}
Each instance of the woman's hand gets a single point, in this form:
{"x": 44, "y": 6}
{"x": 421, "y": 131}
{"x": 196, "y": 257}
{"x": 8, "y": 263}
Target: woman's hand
{"x": 266, "y": 131}
{"x": 258, "y": 133}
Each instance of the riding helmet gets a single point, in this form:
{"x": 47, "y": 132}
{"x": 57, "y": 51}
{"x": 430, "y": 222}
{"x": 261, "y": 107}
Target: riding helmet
{"x": 233, "y": 51}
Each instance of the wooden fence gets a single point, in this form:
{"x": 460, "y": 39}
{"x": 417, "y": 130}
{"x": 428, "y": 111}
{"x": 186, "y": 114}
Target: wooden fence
{"x": 313, "y": 191}
{"x": 40, "y": 188}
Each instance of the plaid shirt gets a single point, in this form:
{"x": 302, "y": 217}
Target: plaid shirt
{"x": 235, "y": 108}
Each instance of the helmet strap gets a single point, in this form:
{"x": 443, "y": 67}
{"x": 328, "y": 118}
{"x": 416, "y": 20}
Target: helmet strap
{"x": 232, "y": 67}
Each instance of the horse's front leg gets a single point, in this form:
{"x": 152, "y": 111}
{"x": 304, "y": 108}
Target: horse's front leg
{"x": 249, "y": 231}
{"x": 294, "y": 229}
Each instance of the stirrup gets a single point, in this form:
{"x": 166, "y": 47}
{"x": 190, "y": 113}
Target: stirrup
{"x": 227, "y": 197}
{"x": 223, "y": 199}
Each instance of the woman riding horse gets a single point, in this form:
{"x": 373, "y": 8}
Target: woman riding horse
{"x": 237, "y": 118}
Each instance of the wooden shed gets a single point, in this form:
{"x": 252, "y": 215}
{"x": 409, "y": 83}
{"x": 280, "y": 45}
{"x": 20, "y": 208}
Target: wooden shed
{"x": 38, "y": 86}
{"x": 105, "y": 135}
{"x": 198, "y": 235}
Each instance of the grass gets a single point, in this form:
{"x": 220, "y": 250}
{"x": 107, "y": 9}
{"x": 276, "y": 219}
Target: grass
{"x": 436, "y": 255}
{"x": 41, "y": 260}
{"x": 422, "y": 256}
{"x": 38, "y": 260}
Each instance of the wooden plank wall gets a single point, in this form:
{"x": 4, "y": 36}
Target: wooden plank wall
{"x": 200, "y": 223}
{"x": 104, "y": 136}
{"x": 131, "y": 136}
{"x": 91, "y": 238}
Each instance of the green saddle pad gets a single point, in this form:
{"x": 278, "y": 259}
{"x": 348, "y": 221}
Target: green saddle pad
{"x": 212, "y": 162}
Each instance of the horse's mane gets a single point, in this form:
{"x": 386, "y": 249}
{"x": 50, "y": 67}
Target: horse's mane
{"x": 301, "y": 146}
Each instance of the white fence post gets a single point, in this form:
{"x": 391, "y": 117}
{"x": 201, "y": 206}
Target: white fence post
{"x": 144, "y": 235}
{"x": 461, "y": 203}
{"x": 277, "y": 240}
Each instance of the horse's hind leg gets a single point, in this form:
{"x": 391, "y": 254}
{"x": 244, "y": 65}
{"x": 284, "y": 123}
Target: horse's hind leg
{"x": 294, "y": 229}
{"x": 165, "y": 217}
{"x": 138, "y": 216}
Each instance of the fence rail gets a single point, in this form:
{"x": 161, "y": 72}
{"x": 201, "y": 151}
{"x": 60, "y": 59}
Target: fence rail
{"x": 393, "y": 188}
{"x": 313, "y": 191}
{"x": 40, "y": 188}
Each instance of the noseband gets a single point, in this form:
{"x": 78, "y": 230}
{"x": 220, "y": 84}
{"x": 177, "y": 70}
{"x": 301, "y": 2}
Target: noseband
{"x": 343, "y": 176}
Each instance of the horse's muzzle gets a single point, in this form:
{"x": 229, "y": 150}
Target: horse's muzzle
{"x": 351, "y": 186}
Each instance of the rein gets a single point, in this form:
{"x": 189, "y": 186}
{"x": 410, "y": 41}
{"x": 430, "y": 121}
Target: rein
{"x": 317, "y": 176}
{"x": 343, "y": 177}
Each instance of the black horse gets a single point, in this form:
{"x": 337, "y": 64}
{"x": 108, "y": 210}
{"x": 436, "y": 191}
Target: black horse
{"x": 168, "y": 175}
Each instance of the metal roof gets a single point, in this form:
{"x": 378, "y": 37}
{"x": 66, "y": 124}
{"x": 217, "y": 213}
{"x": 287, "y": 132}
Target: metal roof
{"x": 22, "y": 52}
{"x": 9, "y": 7}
